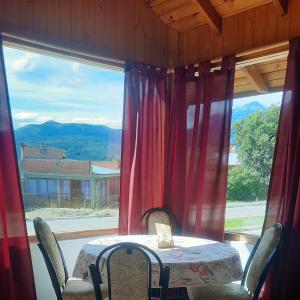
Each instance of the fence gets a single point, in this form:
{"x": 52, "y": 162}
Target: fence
{"x": 68, "y": 200}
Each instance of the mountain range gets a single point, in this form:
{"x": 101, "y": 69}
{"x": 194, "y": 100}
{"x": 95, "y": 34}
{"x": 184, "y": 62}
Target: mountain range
{"x": 94, "y": 142}
{"x": 79, "y": 141}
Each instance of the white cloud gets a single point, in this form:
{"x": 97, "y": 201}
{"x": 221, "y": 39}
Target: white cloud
{"x": 25, "y": 115}
{"x": 75, "y": 66}
{"x": 26, "y": 62}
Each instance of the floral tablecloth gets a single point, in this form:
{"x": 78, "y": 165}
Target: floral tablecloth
{"x": 192, "y": 261}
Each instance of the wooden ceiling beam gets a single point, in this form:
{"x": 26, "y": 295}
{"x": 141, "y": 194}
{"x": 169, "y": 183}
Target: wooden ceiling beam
{"x": 214, "y": 20}
{"x": 256, "y": 79}
{"x": 281, "y": 6}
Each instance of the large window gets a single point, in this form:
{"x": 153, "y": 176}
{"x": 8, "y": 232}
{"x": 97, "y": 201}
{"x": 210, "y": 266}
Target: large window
{"x": 67, "y": 119}
{"x": 252, "y": 143}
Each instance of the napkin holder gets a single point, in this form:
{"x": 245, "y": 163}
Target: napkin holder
{"x": 164, "y": 236}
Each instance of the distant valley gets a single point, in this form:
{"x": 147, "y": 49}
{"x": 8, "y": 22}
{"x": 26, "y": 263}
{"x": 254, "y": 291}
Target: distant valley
{"x": 93, "y": 142}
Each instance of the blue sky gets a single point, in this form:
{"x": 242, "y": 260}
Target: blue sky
{"x": 44, "y": 88}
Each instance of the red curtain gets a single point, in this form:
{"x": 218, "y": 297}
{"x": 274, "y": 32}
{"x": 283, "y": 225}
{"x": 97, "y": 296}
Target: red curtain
{"x": 16, "y": 276}
{"x": 196, "y": 176}
{"x": 143, "y": 144}
{"x": 284, "y": 193}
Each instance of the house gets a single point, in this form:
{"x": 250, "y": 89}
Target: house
{"x": 49, "y": 179}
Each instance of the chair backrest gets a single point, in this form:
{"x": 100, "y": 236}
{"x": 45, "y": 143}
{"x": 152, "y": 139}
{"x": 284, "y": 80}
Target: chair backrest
{"x": 159, "y": 215}
{"x": 261, "y": 259}
{"x": 52, "y": 255}
{"x": 129, "y": 272}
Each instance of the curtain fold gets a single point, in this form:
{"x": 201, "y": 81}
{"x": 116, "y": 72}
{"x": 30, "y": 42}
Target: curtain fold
{"x": 175, "y": 146}
{"x": 16, "y": 275}
{"x": 143, "y": 144}
{"x": 283, "y": 203}
{"x": 196, "y": 175}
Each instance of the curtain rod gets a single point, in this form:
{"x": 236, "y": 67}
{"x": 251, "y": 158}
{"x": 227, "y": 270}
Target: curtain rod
{"x": 252, "y": 57}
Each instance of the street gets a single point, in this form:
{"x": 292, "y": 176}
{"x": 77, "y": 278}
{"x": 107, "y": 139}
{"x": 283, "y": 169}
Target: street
{"x": 90, "y": 223}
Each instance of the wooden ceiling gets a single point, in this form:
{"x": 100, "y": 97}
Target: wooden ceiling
{"x": 183, "y": 15}
{"x": 264, "y": 77}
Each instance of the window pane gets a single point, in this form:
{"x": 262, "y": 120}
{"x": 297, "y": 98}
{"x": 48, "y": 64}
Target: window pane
{"x": 252, "y": 143}
{"x": 67, "y": 119}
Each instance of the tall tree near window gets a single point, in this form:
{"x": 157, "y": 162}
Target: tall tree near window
{"x": 16, "y": 275}
{"x": 283, "y": 203}
{"x": 143, "y": 144}
{"x": 196, "y": 176}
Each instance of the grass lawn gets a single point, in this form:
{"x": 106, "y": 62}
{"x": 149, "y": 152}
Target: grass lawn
{"x": 245, "y": 222}
{"x": 60, "y": 213}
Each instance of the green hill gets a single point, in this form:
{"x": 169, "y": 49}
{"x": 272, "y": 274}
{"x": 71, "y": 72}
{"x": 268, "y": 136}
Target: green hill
{"x": 79, "y": 141}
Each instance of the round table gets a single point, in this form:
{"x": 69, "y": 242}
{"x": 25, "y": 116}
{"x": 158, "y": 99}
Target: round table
{"x": 192, "y": 261}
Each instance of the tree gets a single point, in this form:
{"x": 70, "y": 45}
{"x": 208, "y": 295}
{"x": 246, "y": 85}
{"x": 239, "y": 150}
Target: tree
{"x": 244, "y": 184}
{"x": 255, "y": 141}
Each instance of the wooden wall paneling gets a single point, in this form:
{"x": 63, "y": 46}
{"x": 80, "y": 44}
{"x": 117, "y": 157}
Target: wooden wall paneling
{"x": 76, "y": 11}
{"x": 295, "y": 18}
{"x": 115, "y": 29}
{"x": 173, "y": 43}
{"x": 218, "y": 43}
{"x": 65, "y": 18}
{"x": 25, "y": 9}
{"x": 40, "y": 18}
{"x": 88, "y": 22}
{"x": 283, "y": 27}
{"x": 260, "y": 26}
{"x": 121, "y": 15}
{"x": 197, "y": 49}
{"x": 271, "y": 25}
{"x": 52, "y": 19}
{"x": 150, "y": 35}
{"x": 11, "y": 17}
{"x": 2, "y": 14}
{"x": 163, "y": 41}
{"x": 130, "y": 28}
{"x": 248, "y": 18}
{"x": 139, "y": 37}
{"x": 230, "y": 26}
{"x": 281, "y": 6}
{"x": 99, "y": 25}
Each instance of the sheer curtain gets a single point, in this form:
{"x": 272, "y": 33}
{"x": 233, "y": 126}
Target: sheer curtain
{"x": 16, "y": 275}
{"x": 196, "y": 176}
{"x": 283, "y": 203}
{"x": 143, "y": 144}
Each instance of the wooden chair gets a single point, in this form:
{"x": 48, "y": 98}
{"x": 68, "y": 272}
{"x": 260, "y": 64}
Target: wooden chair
{"x": 254, "y": 275}
{"x": 129, "y": 272}
{"x": 65, "y": 288}
{"x": 160, "y": 215}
